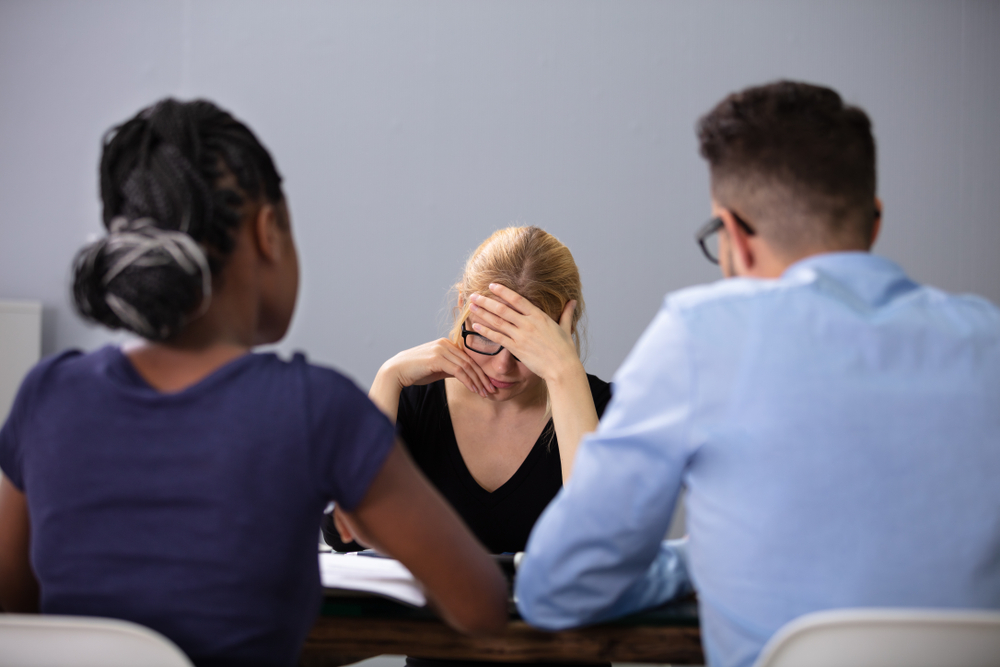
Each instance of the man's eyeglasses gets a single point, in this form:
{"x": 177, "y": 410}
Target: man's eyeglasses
{"x": 708, "y": 236}
{"x": 481, "y": 344}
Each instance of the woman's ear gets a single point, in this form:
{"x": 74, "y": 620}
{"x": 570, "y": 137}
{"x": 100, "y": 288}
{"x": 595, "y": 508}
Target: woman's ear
{"x": 567, "y": 318}
{"x": 267, "y": 232}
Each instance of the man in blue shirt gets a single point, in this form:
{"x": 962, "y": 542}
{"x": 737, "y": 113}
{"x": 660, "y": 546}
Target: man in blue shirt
{"x": 836, "y": 425}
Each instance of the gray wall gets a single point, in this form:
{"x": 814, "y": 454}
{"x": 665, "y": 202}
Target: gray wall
{"x": 408, "y": 131}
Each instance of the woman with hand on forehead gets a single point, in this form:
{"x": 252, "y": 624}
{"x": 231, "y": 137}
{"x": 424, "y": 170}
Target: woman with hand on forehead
{"x": 484, "y": 412}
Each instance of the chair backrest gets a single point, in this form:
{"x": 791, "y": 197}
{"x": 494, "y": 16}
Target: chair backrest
{"x": 887, "y": 638}
{"x": 74, "y": 641}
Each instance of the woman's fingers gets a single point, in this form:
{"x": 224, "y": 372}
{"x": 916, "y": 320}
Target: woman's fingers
{"x": 496, "y": 321}
{"x": 516, "y": 301}
{"x": 459, "y": 365}
{"x": 512, "y": 306}
{"x": 517, "y": 327}
{"x": 343, "y": 529}
{"x": 480, "y": 374}
{"x": 465, "y": 370}
{"x": 541, "y": 343}
{"x": 436, "y": 360}
{"x": 496, "y": 336}
{"x": 494, "y": 308}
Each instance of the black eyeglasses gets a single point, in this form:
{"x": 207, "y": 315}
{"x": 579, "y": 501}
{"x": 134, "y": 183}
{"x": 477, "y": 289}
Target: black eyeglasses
{"x": 708, "y": 236}
{"x": 481, "y": 344}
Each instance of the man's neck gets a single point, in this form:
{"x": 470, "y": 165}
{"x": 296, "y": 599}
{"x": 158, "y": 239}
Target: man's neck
{"x": 769, "y": 264}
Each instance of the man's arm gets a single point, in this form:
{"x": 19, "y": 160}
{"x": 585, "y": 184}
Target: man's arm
{"x": 597, "y": 551}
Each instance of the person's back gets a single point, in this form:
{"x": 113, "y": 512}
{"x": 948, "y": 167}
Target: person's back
{"x": 191, "y": 512}
{"x": 179, "y": 481}
{"x": 847, "y": 452}
{"x": 835, "y": 423}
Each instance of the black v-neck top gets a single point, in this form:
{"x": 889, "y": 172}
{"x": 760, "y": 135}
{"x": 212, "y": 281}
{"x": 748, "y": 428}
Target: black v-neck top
{"x": 501, "y": 519}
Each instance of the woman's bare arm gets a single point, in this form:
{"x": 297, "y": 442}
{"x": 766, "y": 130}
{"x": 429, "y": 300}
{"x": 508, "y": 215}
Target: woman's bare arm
{"x": 18, "y": 586}
{"x": 424, "y": 364}
{"x": 403, "y": 516}
{"x": 573, "y": 414}
{"x": 384, "y": 393}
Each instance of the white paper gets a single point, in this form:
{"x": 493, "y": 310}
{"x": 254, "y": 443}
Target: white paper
{"x": 382, "y": 576}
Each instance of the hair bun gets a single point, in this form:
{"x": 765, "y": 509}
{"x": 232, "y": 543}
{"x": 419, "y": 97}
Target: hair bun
{"x": 174, "y": 180}
{"x": 142, "y": 278}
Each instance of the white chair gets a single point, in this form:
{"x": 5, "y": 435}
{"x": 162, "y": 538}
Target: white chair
{"x": 887, "y": 638}
{"x": 28, "y": 640}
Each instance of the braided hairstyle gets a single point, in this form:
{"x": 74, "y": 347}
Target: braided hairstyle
{"x": 170, "y": 218}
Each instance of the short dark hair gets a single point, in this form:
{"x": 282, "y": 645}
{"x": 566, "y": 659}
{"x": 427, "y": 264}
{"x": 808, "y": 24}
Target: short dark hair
{"x": 796, "y": 161}
{"x": 174, "y": 180}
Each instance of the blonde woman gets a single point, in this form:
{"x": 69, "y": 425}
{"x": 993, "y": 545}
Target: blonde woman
{"x": 484, "y": 414}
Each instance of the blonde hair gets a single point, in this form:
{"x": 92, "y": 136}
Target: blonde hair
{"x": 529, "y": 261}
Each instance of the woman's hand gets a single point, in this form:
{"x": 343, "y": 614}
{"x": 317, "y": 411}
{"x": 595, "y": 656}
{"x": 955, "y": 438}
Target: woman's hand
{"x": 547, "y": 349}
{"x": 543, "y": 345}
{"x": 424, "y": 364}
{"x": 344, "y": 529}
{"x": 434, "y": 361}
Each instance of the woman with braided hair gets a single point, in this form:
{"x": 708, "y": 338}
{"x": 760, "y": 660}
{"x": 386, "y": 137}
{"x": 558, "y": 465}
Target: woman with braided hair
{"x": 179, "y": 482}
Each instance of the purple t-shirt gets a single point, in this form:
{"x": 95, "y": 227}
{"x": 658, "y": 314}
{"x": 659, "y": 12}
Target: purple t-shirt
{"x": 194, "y": 513}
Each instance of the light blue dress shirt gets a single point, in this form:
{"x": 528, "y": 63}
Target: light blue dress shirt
{"x": 838, "y": 432}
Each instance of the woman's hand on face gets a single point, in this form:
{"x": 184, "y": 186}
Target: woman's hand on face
{"x": 436, "y": 360}
{"x": 541, "y": 344}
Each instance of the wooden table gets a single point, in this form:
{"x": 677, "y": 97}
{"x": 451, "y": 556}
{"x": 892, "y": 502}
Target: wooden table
{"x": 354, "y": 628}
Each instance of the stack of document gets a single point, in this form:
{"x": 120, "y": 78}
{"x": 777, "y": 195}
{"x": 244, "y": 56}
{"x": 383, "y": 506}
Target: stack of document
{"x": 381, "y": 576}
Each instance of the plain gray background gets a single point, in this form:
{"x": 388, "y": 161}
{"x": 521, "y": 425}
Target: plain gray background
{"x": 408, "y": 131}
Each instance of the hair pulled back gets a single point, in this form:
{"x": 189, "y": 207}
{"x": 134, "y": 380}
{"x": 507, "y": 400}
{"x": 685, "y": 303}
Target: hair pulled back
{"x": 529, "y": 261}
{"x": 170, "y": 219}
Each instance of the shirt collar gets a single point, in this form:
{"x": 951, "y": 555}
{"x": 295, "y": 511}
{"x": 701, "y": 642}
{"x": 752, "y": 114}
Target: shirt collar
{"x": 874, "y": 279}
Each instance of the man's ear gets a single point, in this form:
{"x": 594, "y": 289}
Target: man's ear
{"x": 744, "y": 259}
{"x": 267, "y": 232}
{"x": 877, "y": 226}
